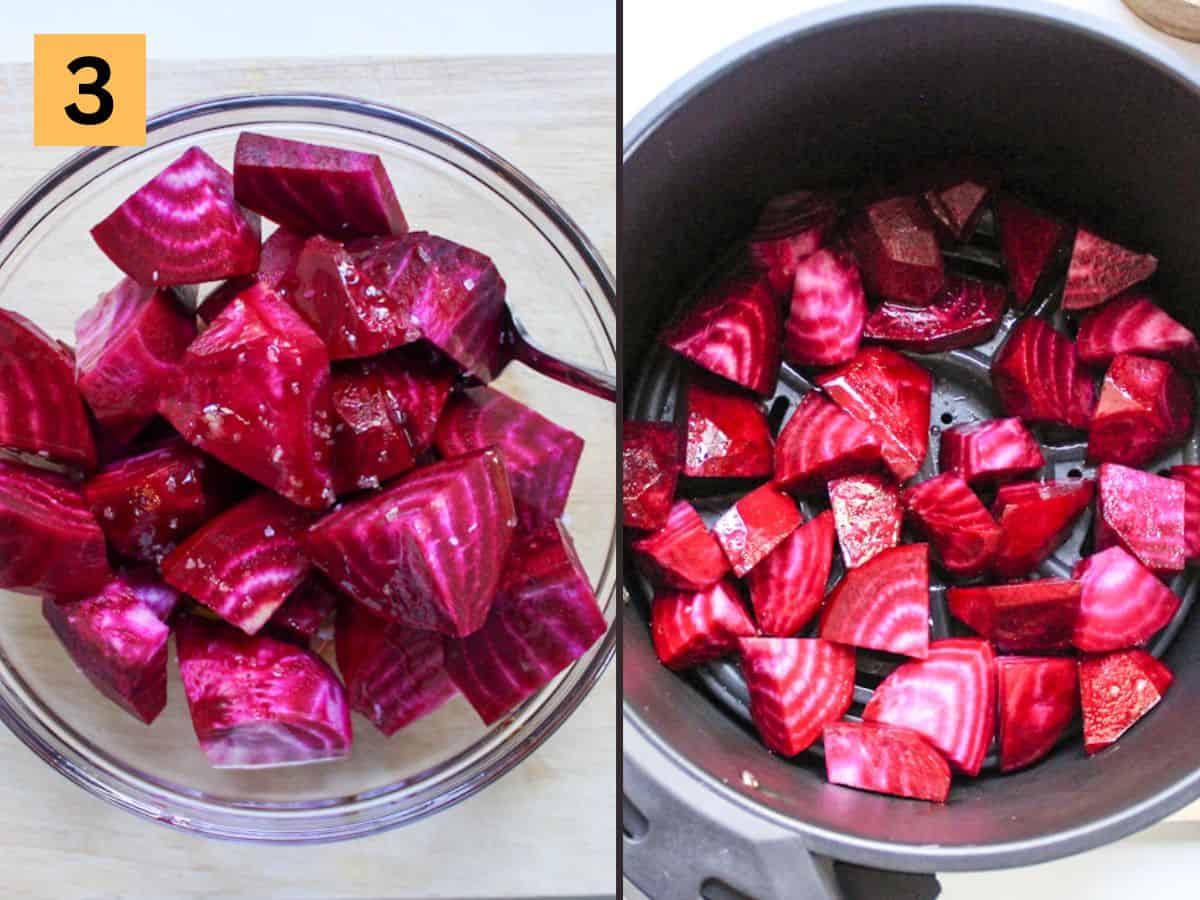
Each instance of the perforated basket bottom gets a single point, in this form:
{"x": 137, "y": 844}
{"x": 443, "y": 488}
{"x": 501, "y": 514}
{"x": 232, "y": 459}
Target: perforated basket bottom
{"x": 961, "y": 393}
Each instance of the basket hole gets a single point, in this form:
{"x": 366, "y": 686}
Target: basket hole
{"x": 1075, "y": 473}
{"x": 1165, "y": 473}
{"x": 634, "y": 825}
{"x": 947, "y": 418}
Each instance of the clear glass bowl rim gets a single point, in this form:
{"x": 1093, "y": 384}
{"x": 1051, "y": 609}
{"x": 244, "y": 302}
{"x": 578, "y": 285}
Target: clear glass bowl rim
{"x": 404, "y": 802}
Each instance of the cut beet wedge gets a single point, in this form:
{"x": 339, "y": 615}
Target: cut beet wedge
{"x": 957, "y": 197}
{"x": 650, "y": 465}
{"x": 883, "y": 604}
{"x": 545, "y": 617}
{"x": 734, "y": 331}
{"x": 394, "y": 675}
{"x": 797, "y": 686}
{"x": 1116, "y": 690}
{"x": 787, "y": 587}
{"x": 897, "y": 248}
{"x": 41, "y": 409}
{"x": 791, "y": 228}
{"x": 253, "y": 391}
{"x": 1190, "y": 477}
{"x": 821, "y": 442}
{"x": 127, "y": 347}
{"x": 725, "y": 432}
{"x": 1100, "y": 270}
{"x": 1123, "y": 603}
{"x": 243, "y": 564}
{"x": 1028, "y": 239}
{"x": 305, "y": 610}
{"x": 868, "y": 515}
{"x": 147, "y": 504}
{"x": 428, "y": 551}
{"x": 892, "y": 393}
{"x": 257, "y": 702}
{"x": 1133, "y": 323}
{"x": 184, "y": 226}
{"x": 963, "y": 533}
{"x": 540, "y": 456}
{"x": 1038, "y": 700}
{"x": 1035, "y": 518}
{"x": 118, "y": 643}
{"x": 949, "y": 697}
{"x": 690, "y": 628}
{"x": 967, "y": 312}
{"x": 683, "y": 553}
{"x": 1031, "y": 615}
{"x": 147, "y": 586}
{"x": 990, "y": 452}
{"x": 1144, "y": 410}
{"x": 314, "y": 189}
{"x": 756, "y": 525}
{"x": 885, "y": 760}
{"x": 279, "y": 254}
{"x": 827, "y": 310}
{"x": 49, "y": 541}
{"x": 1037, "y": 376}
{"x": 385, "y": 412}
{"x": 1143, "y": 513}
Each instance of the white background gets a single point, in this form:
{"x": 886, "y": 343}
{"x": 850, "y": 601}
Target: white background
{"x": 663, "y": 40}
{"x": 192, "y": 29}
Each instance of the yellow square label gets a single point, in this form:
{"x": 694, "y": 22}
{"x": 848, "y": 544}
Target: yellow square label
{"x": 89, "y": 89}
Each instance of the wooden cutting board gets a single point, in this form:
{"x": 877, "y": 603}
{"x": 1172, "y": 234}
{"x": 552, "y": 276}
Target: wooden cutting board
{"x": 546, "y": 829}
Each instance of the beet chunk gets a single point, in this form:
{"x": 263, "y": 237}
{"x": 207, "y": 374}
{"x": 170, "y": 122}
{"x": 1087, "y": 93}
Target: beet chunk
{"x": 649, "y": 472}
{"x": 898, "y": 252}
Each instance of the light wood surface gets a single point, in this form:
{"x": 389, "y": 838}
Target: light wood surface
{"x": 1178, "y": 17}
{"x": 549, "y": 827}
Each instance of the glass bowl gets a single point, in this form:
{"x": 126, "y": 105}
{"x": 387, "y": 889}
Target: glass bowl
{"x": 561, "y": 290}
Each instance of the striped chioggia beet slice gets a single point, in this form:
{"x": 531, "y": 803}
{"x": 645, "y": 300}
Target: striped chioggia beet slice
{"x": 182, "y": 227}
{"x": 868, "y": 514}
{"x": 1038, "y": 697}
{"x": 1144, "y": 513}
{"x": 256, "y": 701}
{"x": 545, "y": 617}
{"x": 962, "y": 532}
{"x": 1035, "y": 518}
{"x": 990, "y": 452}
{"x": 1134, "y": 323}
{"x": 682, "y": 554}
{"x": 243, "y": 564}
{"x": 693, "y": 627}
{"x": 1028, "y": 615}
{"x": 787, "y": 587}
{"x": 885, "y": 760}
{"x": 305, "y": 610}
{"x": 827, "y": 310}
{"x": 279, "y": 253}
{"x": 1101, "y": 269}
{"x": 1115, "y": 691}
{"x": 429, "y": 550}
{"x": 883, "y": 604}
{"x": 821, "y": 442}
{"x": 1028, "y": 240}
{"x": 1123, "y": 603}
{"x": 650, "y": 465}
{"x": 791, "y": 227}
{"x": 1037, "y": 376}
{"x": 967, "y": 312}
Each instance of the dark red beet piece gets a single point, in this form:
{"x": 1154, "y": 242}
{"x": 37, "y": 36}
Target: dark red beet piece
{"x": 1190, "y": 477}
{"x": 1143, "y": 513}
{"x": 1123, "y": 603}
{"x": 650, "y": 464}
{"x": 1038, "y": 699}
{"x": 756, "y": 525}
{"x": 253, "y": 391}
{"x": 821, "y": 442}
{"x": 279, "y": 253}
{"x": 147, "y": 504}
{"x": 957, "y": 196}
{"x": 184, "y": 226}
{"x": 797, "y": 686}
{"x": 314, "y": 189}
{"x": 539, "y": 456}
{"x": 256, "y": 701}
{"x": 119, "y": 644}
{"x": 41, "y": 410}
{"x": 545, "y": 617}
{"x": 734, "y": 330}
{"x": 949, "y": 697}
{"x": 868, "y": 514}
{"x": 49, "y": 541}
{"x": 1031, "y": 615}
{"x": 990, "y": 452}
{"x": 725, "y": 432}
{"x": 245, "y": 562}
{"x": 1035, "y": 517}
{"x": 883, "y": 604}
{"x": 791, "y": 227}
{"x": 427, "y": 552}
{"x": 1133, "y": 323}
{"x": 787, "y": 587}
{"x": 1028, "y": 238}
{"x": 394, "y": 675}
{"x": 385, "y": 412}
{"x": 827, "y": 311}
{"x": 683, "y": 553}
{"x": 891, "y": 392}
{"x": 305, "y": 610}
{"x": 145, "y": 583}
{"x": 886, "y": 760}
{"x": 1101, "y": 269}
{"x": 967, "y": 312}
{"x": 898, "y": 251}
{"x": 1116, "y": 690}
{"x": 1037, "y": 376}
{"x": 1144, "y": 410}
{"x": 127, "y": 347}
{"x": 963, "y": 533}
{"x": 690, "y": 628}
